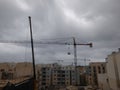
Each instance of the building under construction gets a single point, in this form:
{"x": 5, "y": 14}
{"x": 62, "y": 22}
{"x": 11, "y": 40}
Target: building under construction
{"x": 55, "y": 75}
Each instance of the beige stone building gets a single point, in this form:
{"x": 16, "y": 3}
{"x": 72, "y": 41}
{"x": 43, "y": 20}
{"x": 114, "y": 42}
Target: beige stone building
{"x": 55, "y": 75}
{"x": 103, "y": 82}
{"x": 113, "y": 70}
{"x": 111, "y": 80}
{"x": 95, "y": 69}
{"x": 15, "y": 70}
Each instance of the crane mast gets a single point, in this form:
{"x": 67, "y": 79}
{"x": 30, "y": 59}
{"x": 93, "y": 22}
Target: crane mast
{"x": 32, "y": 48}
{"x": 75, "y": 55}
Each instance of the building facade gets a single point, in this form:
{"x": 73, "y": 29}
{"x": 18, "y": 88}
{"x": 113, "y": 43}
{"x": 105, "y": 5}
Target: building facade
{"x": 23, "y": 69}
{"x": 82, "y": 73}
{"x": 113, "y": 70}
{"x": 95, "y": 69}
{"x": 55, "y": 75}
{"x": 15, "y": 70}
{"x": 103, "y": 82}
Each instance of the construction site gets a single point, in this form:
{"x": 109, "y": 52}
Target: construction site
{"x": 59, "y": 45}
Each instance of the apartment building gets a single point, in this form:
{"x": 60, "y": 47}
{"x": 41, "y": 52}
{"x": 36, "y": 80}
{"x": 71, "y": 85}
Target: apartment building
{"x": 64, "y": 75}
{"x": 103, "y": 82}
{"x": 83, "y": 73}
{"x": 113, "y": 70}
{"x": 95, "y": 69}
{"x": 43, "y": 74}
{"x": 55, "y": 75}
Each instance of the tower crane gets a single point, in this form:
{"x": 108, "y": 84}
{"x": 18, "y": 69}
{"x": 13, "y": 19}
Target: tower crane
{"x": 74, "y": 44}
{"x": 52, "y": 43}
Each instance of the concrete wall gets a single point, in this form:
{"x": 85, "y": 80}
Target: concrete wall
{"x": 7, "y": 68}
{"x": 118, "y": 66}
{"x": 23, "y": 69}
{"x": 96, "y": 68}
{"x": 113, "y": 70}
{"x": 103, "y": 82}
{"x": 111, "y": 74}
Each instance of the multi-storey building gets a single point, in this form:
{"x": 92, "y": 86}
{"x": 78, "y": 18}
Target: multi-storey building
{"x": 58, "y": 76}
{"x": 83, "y": 73}
{"x": 63, "y": 75}
{"x": 55, "y": 75}
{"x": 113, "y": 70}
{"x": 44, "y": 72}
{"x": 95, "y": 69}
{"x": 103, "y": 82}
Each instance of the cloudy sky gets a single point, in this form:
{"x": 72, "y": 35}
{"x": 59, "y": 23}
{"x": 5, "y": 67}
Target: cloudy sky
{"x": 96, "y": 21}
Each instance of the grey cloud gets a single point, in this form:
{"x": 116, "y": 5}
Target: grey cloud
{"x": 49, "y": 21}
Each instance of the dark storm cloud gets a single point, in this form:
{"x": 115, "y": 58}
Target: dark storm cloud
{"x": 88, "y": 21}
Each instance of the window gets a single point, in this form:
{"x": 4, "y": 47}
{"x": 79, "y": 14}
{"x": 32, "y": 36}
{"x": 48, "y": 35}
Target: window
{"x": 94, "y": 69}
{"x": 103, "y": 69}
{"x": 99, "y": 69}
